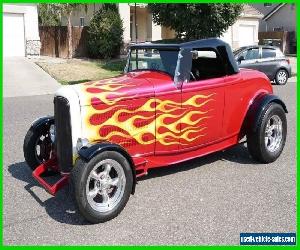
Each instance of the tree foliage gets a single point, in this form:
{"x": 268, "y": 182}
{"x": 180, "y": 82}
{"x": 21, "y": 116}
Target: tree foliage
{"x": 105, "y": 33}
{"x": 48, "y": 16}
{"x": 196, "y": 21}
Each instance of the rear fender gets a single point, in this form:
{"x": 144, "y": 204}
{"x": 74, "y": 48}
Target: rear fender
{"x": 257, "y": 108}
{"x": 87, "y": 153}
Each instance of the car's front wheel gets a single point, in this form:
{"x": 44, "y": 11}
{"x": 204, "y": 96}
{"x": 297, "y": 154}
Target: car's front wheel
{"x": 102, "y": 186}
{"x": 38, "y": 146}
{"x": 267, "y": 142}
{"x": 281, "y": 77}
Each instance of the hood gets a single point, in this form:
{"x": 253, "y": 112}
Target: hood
{"x": 112, "y": 90}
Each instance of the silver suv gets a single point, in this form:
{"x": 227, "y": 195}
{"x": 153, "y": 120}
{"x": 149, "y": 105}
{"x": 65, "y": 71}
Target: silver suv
{"x": 267, "y": 59}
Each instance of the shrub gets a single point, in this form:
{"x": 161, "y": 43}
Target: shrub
{"x": 105, "y": 33}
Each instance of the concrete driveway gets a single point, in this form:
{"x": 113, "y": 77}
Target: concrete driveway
{"x": 207, "y": 201}
{"x": 22, "y": 77}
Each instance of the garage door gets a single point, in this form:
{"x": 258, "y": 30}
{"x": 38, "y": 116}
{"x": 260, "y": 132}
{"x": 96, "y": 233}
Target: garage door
{"x": 13, "y": 35}
{"x": 246, "y": 35}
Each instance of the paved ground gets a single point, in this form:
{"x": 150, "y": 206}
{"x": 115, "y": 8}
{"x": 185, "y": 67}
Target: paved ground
{"x": 22, "y": 77}
{"x": 204, "y": 201}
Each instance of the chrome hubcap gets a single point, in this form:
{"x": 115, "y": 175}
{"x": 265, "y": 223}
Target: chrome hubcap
{"x": 281, "y": 77}
{"x": 273, "y": 133}
{"x": 105, "y": 185}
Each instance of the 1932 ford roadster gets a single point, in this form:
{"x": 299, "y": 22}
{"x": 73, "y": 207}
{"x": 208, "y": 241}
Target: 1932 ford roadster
{"x": 174, "y": 102}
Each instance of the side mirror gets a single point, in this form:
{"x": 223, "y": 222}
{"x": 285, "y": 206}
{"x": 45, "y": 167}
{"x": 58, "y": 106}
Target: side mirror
{"x": 241, "y": 58}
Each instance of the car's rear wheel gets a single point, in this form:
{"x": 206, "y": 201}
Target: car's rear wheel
{"x": 281, "y": 77}
{"x": 102, "y": 186}
{"x": 267, "y": 142}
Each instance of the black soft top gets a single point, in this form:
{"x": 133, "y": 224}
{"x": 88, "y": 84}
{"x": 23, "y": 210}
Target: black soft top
{"x": 214, "y": 43}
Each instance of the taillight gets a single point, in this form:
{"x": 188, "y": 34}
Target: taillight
{"x": 288, "y": 61}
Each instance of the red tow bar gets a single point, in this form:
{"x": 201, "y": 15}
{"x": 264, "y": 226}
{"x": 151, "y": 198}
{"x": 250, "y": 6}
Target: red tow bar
{"x": 50, "y": 164}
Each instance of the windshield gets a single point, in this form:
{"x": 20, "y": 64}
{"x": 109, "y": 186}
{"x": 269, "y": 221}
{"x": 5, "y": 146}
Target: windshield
{"x": 153, "y": 59}
{"x": 237, "y": 51}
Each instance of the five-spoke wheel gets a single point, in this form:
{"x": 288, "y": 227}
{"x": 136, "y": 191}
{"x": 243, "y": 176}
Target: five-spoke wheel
{"x": 102, "y": 186}
{"x": 266, "y": 142}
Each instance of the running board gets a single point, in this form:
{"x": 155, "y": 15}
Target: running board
{"x": 54, "y": 188}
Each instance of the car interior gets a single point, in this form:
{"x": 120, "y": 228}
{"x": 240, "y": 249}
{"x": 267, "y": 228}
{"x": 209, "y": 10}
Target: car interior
{"x": 206, "y": 64}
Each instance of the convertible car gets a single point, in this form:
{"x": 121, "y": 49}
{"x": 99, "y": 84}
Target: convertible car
{"x": 174, "y": 102}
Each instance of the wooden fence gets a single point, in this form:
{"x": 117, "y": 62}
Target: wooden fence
{"x": 283, "y": 38}
{"x": 54, "y": 41}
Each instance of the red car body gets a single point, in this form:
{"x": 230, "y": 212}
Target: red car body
{"x": 173, "y": 103}
{"x": 159, "y": 124}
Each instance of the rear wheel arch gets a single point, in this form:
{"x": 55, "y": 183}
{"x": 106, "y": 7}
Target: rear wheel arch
{"x": 256, "y": 109}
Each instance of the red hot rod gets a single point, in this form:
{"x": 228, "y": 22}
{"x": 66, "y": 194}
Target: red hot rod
{"x": 174, "y": 102}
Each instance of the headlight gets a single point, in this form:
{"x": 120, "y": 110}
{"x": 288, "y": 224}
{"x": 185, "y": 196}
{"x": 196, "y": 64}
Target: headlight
{"x": 81, "y": 142}
{"x": 52, "y": 133}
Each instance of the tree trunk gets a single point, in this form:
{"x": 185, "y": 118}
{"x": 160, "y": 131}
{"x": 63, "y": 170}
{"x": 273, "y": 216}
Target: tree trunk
{"x": 70, "y": 37}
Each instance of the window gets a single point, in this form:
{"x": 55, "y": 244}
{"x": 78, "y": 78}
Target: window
{"x": 268, "y": 53}
{"x": 267, "y": 4}
{"x": 206, "y": 64}
{"x": 251, "y": 54}
{"x": 153, "y": 59}
{"x": 81, "y": 21}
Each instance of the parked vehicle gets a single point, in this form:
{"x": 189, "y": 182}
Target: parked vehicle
{"x": 267, "y": 59}
{"x": 174, "y": 102}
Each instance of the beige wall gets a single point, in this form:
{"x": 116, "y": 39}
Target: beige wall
{"x": 75, "y": 19}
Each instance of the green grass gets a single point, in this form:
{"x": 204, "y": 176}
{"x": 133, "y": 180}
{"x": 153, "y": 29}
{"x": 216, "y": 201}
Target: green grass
{"x": 75, "y": 71}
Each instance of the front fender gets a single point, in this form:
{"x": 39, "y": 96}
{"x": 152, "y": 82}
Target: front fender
{"x": 257, "y": 108}
{"x": 42, "y": 121}
{"x": 87, "y": 153}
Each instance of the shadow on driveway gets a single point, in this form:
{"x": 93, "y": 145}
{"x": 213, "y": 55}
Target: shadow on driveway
{"x": 61, "y": 207}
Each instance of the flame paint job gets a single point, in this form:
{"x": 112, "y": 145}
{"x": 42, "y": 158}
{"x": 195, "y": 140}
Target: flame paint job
{"x": 153, "y": 120}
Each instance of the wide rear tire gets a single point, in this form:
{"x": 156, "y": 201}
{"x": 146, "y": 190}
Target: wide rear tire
{"x": 267, "y": 142}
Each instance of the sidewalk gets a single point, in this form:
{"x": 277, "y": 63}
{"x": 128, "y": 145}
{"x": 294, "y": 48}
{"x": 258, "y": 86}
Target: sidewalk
{"x": 22, "y": 77}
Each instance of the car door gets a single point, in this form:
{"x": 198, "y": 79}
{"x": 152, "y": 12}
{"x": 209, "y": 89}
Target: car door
{"x": 202, "y": 103}
{"x": 268, "y": 62}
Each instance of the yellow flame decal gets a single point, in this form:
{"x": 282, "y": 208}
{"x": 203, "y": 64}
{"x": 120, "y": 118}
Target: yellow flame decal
{"x": 182, "y": 128}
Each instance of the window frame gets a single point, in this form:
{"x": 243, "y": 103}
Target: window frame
{"x": 274, "y": 49}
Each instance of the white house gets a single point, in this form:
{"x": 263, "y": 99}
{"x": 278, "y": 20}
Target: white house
{"x": 20, "y": 30}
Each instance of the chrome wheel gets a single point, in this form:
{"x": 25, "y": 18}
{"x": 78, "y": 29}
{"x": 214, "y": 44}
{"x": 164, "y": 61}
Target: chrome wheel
{"x": 105, "y": 185}
{"x": 282, "y": 77}
{"x": 273, "y": 133}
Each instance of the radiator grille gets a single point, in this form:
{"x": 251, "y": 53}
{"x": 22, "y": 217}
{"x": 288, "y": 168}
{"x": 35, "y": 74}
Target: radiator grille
{"x": 63, "y": 133}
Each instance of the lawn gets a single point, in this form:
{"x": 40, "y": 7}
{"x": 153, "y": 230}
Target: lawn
{"x": 72, "y": 71}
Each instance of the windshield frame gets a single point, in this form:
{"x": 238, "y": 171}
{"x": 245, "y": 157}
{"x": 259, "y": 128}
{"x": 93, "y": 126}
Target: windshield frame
{"x": 126, "y": 69}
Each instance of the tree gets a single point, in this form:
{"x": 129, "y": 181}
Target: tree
{"x": 48, "y": 16}
{"x": 196, "y": 21}
{"x": 63, "y": 9}
{"x": 105, "y": 33}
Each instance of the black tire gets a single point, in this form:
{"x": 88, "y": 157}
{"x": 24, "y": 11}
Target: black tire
{"x": 78, "y": 181}
{"x": 281, "y": 77}
{"x": 31, "y": 141}
{"x": 256, "y": 140}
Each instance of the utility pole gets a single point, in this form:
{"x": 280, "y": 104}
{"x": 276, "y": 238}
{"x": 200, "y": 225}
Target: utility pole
{"x": 135, "y": 24}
